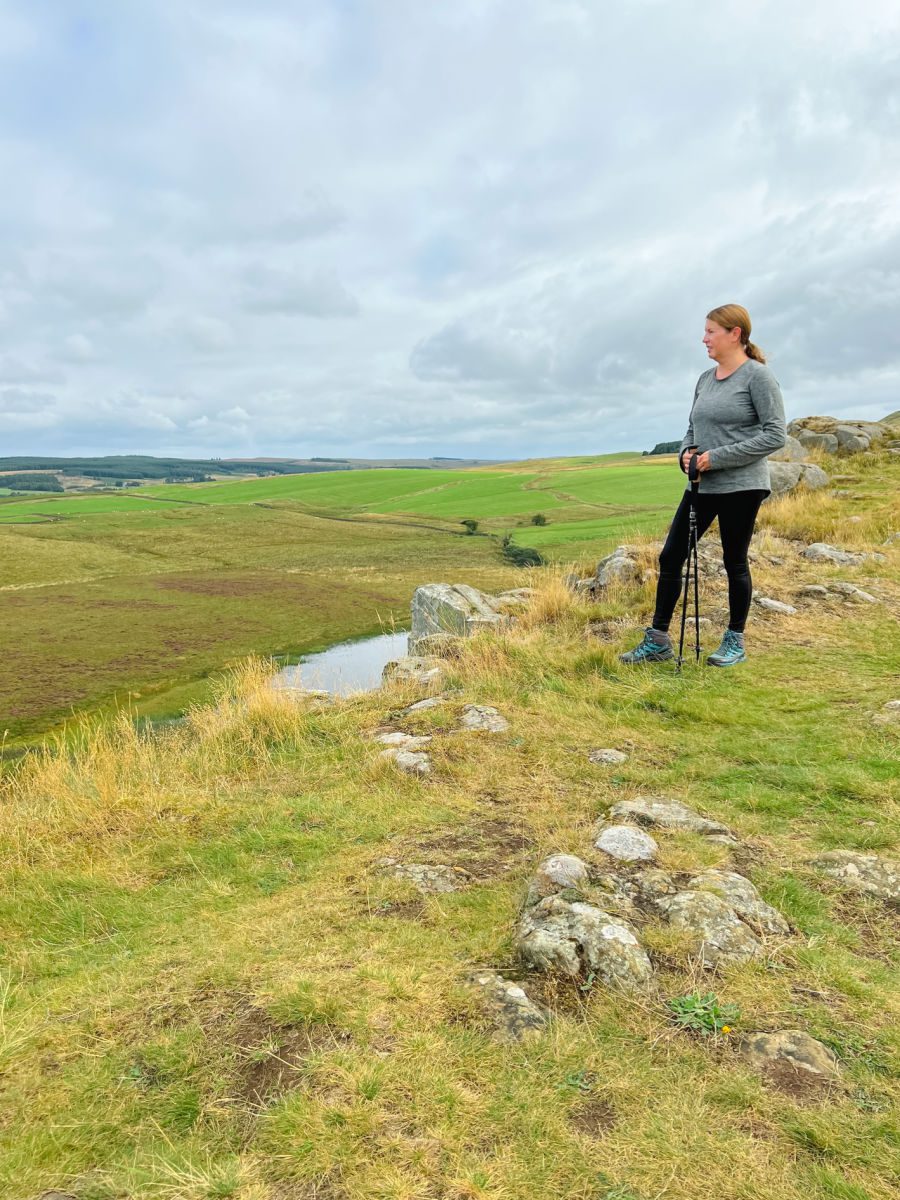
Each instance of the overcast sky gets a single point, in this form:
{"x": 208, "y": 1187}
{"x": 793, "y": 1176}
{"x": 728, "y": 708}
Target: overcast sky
{"x": 486, "y": 228}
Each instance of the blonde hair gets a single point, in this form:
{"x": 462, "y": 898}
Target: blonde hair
{"x": 730, "y": 315}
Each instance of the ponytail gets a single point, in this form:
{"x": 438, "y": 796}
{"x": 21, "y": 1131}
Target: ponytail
{"x": 730, "y": 316}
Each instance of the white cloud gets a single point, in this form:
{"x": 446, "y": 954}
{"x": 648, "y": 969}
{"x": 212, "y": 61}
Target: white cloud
{"x": 493, "y": 227}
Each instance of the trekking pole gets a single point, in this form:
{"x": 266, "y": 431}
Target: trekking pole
{"x": 693, "y": 558}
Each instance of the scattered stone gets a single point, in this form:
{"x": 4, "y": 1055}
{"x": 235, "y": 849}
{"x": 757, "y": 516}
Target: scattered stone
{"x": 483, "y": 718}
{"x": 607, "y": 756}
{"x": 451, "y": 608}
{"x": 852, "y": 592}
{"x": 413, "y": 668}
{"x": 429, "y": 879}
{"x": 776, "y": 606}
{"x": 408, "y": 761}
{"x": 721, "y": 937}
{"x": 517, "y": 1016}
{"x": 424, "y": 705}
{"x": 822, "y": 552}
{"x": 403, "y": 741}
{"x": 653, "y": 885}
{"x": 618, "y": 567}
{"x": 814, "y": 591}
{"x": 572, "y": 937}
{"x": 658, "y": 812}
{"x": 743, "y": 897}
{"x": 865, "y": 873}
{"x": 627, "y": 844}
{"x": 793, "y": 1046}
{"x": 558, "y": 873}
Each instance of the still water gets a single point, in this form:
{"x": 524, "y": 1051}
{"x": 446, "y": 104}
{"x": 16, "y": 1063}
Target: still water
{"x": 347, "y": 667}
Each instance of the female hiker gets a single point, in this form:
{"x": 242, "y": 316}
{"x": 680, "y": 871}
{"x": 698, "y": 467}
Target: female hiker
{"x": 737, "y": 419}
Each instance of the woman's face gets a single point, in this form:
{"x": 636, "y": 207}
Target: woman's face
{"x": 719, "y": 341}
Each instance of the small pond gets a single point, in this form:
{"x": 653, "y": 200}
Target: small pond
{"x": 346, "y": 667}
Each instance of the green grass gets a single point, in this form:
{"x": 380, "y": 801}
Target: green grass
{"x": 212, "y": 990}
{"x": 137, "y": 597}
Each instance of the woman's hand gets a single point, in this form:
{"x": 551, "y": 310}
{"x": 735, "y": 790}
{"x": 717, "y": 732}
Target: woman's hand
{"x": 686, "y": 458}
{"x": 703, "y": 462}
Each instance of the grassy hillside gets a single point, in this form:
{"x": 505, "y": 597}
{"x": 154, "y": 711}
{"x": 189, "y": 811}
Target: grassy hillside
{"x": 214, "y": 988}
{"x": 148, "y": 592}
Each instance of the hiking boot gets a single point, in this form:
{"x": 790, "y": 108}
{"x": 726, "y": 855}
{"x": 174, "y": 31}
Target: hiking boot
{"x": 730, "y": 652}
{"x": 655, "y": 647}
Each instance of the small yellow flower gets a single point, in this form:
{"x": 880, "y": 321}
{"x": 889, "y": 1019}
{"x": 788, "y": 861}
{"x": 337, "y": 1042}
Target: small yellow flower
{"x": 726, "y": 1029}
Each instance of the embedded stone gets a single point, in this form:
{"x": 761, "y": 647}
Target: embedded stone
{"x": 607, "y": 756}
{"x": 627, "y": 844}
{"x": 428, "y": 878}
{"x": 822, "y": 552}
{"x": 556, "y": 874}
{"x": 776, "y": 606}
{"x": 658, "y": 812}
{"x": 793, "y": 1046}
{"x": 719, "y": 935}
{"x": 403, "y": 741}
{"x": 866, "y": 873}
{"x": 413, "y": 668}
{"x": 410, "y": 762}
{"x": 483, "y": 718}
{"x": 743, "y": 897}
{"x": 618, "y": 567}
{"x": 517, "y": 1016}
{"x": 815, "y": 591}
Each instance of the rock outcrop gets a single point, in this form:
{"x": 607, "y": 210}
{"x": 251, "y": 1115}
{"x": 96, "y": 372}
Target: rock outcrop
{"x": 452, "y": 609}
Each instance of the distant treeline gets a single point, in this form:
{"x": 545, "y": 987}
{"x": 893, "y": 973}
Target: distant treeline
{"x": 664, "y": 448}
{"x": 169, "y": 470}
{"x": 31, "y": 483}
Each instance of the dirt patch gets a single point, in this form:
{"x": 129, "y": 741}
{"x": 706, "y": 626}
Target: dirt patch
{"x": 802, "y": 1086}
{"x": 594, "y": 1118}
{"x": 482, "y": 850}
{"x": 410, "y": 910}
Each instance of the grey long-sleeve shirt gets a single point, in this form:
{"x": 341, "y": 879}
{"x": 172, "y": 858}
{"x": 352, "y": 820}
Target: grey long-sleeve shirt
{"x": 739, "y": 421}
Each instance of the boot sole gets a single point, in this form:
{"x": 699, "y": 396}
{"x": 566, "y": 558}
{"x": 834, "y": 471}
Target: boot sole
{"x": 711, "y": 662}
{"x": 647, "y": 658}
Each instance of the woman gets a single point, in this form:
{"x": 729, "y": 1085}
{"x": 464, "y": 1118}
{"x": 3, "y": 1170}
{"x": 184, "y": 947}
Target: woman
{"x": 737, "y": 419}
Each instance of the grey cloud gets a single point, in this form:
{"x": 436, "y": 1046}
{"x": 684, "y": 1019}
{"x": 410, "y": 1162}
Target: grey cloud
{"x": 317, "y": 294}
{"x": 13, "y": 400}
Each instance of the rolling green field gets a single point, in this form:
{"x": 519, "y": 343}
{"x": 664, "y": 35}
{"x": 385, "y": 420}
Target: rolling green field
{"x": 136, "y": 597}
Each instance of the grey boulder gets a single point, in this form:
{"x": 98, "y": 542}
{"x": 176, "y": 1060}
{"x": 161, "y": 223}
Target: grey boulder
{"x": 775, "y": 606}
{"x": 573, "y": 937}
{"x": 451, "y": 608}
{"x": 791, "y": 451}
{"x": 558, "y": 873}
{"x": 482, "y": 718}
{"x": 810, "y": 440}
{"x": 410, "y": 762}
{"x": 618, "y": 567}
{"x": 719, "y": 935}
{"x": 823, "y": 552}
{"x": 744, "y": 899}
{"x": 626, "y": 844}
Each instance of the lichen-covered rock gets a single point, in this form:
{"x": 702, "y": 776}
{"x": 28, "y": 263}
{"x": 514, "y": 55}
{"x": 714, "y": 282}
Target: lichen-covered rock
{"x": 852, "y": 592}
{"x": 775, "y": 606}
{"x": 607, "y": 756}
{"x": 743, "y": 897}
{"x": 556, "y": 874}
{"x": 573, "y": 938}
{"x": 618, "y": 567}
{"x": 793, "y": 1046}
{"x": 516, "y": 1015}
{"x": 719, "y": 935}
{"x": 429, "y": 878}
{"x": 482, "y": 717}
{"x": 424, "y": 705}
{"x": 403, "y": 741}
{"x": 626, "y": 844}
{"x": 413, "y": 668}
{"x": 784, "y": 477}
{"x": 865, "y": 873}
{"x": 451, "y": 608}
{"x": 411, "y": 762}
{"x": 661, "y": 813}
{"x": 822, "y": 552}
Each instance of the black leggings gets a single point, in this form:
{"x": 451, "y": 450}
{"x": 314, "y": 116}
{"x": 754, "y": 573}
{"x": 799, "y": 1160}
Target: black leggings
{"x": 737, "y": 516}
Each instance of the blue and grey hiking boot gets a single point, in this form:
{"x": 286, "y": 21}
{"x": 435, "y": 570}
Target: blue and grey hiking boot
{"x": 730, "y": 652}
{"x": 655, "y": 647}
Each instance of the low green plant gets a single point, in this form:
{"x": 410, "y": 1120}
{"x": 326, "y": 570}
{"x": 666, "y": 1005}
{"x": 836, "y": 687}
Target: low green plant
{"x": 704, "y": 1014}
